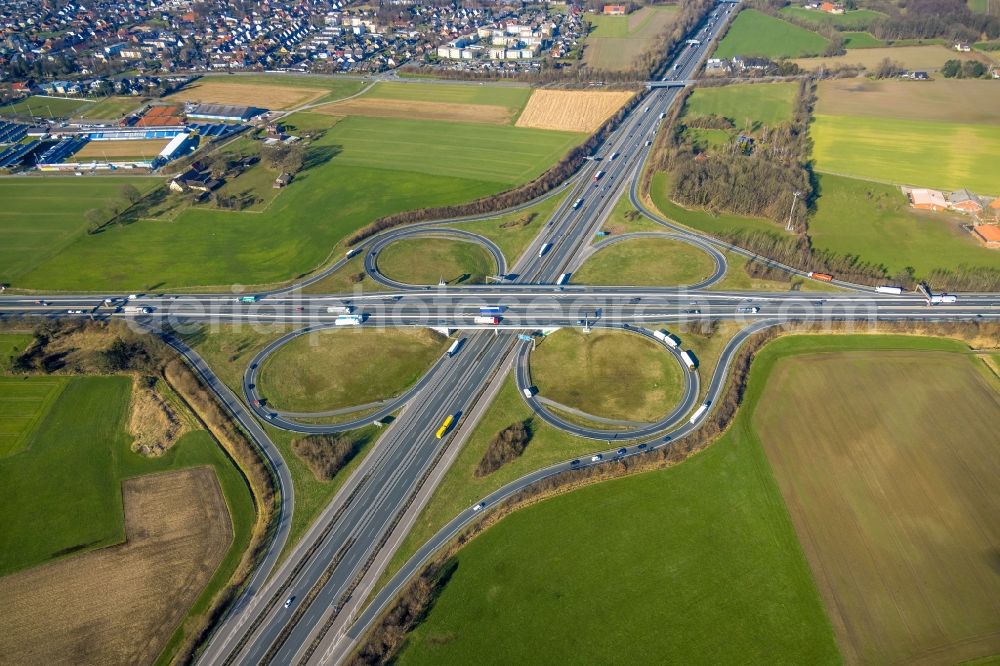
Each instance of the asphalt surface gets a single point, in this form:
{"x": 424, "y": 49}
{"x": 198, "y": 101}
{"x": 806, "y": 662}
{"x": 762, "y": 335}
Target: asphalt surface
{"x": 320, "y": 572}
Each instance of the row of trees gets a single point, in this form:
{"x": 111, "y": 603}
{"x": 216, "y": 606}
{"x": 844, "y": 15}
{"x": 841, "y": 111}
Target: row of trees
{"x": 969, "y": 69}
{"x": 325, "y": 455}
{"x": 506, "y": 445}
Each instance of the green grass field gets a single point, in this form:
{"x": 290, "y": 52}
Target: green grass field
{"x": 861, "y": 40}
{"x": 41, "y": 217}
{"x": 12, "y": 344}
{"x": 694, "y": 564}
{"x": 430, "y": 260}
{"x": 513, "y": 232}
{"x": 46, "y": 107}
{"x": 584, "y": 371}
{"x": 884, "y": 478}
{"x": 340, "y": 368}
{"x": 76, "y": 452}
{"x": 874, "y": 222}
{"x": 112, "y": 107}
{"x": 922, "y": 153}
{"x": 746, "y": 105}
{"x": 858, "y": 19}
{"x": 510, "y": 97}
{"x": 228, "y": 350}
{"x": 646, "y": 262}
{"x": 339, "y": 88}
{"x": 754, "y": 33}
{"x": 366, "y": 168}
{"x": 615, "y": 41}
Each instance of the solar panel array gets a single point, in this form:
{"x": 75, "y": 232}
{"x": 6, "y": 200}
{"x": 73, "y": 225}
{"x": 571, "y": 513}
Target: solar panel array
{"x": 61, "y": 150}
{"x": 13, "y": 155}
{"x": 214, "y": 130}
{"x": 12, "y": 132}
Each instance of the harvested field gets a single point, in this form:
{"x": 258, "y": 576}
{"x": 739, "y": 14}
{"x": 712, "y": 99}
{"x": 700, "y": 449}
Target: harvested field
{"x": 399, "y": 108}
{"x": 267, "y": 96}
{"x": 100, "y": 149}
{"x": 946, "y": 100}
{"x": 571, "y": 110}
{"x": 616, "y": 41}
{"x": 888, "y": 463}
{"x": 929, "y": 57}
{"x": 121, "y": 604}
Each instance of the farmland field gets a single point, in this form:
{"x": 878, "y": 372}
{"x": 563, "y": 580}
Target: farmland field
{"x": 340, "y": 368}
{"x": 96, "y": 150}
{"x": 616, "y": 41}
{"x": 858, "y": 19}
{"x": 753, "y": 104}
{"x": 571, "y": 110}
{"x": 512, "y": 98}
{"x": 431, "y": 260}
{"x": 585, "y": 371}
{"x": 46, "y": 107}
{"x": 754, "y": 33}
{"x": 112, "y": 107}
{"x": 265, "y": 91}
{"x": 891, "y": 481}
{"x": 928, "y": 57}
{"x": 41, "y": 216}
{"x": 631, "y": 570}
{"x": 915, "y": 152}
{"x": 121, "y": 604}
{"x": 945, "y": 100}
{"x": 418, "y": 110}
{"x": 364, "y": 168}
{"x": 874, "y": 222}
{"x": 861, "y": 40}
{"x": 646, "y": 262}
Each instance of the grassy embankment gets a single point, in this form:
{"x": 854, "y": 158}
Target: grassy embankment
{"x": 430, "y": 260}
{"x": 339, "y": 368}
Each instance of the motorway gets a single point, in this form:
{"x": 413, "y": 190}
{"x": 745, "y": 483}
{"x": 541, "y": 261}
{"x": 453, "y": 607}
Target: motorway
{"x": 321, "y": 573}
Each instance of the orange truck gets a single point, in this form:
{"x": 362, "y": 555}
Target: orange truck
{"x": 825, "y": 277}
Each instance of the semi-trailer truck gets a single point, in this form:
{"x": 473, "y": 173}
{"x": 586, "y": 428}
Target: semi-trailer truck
{"x": 348, "y": 320}
{"x": 491, "y": 310}
{"x": 563, "y": 279}
{"x": 597, "y": 176}
{"x": 543, "y": 249}
{"x": 248, "y": 299}
{"x": 577, "y": 203}
{"x": 340, "y": 309}
{"x": 943, "y": 298}
{"x": 666, "y": 338}
{"x": 886, "y": 289}
{"x": 698, "y": 413}
{"x": 444, "y": 426}
{"x": 688, "y": 360}
{"x": 453, "y": 349}
{"x": 137, "y": 309}
{"x": 353, "y": 251}
{"x": 493, "y": 321}
{"x": 748, "y": 309}
{"x": 825, "y": 277}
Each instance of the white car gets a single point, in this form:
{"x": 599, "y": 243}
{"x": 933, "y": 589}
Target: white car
{"x": 289, "y": 601}
{"x": 479, "y": 507}
{"x": 596, "y": 458}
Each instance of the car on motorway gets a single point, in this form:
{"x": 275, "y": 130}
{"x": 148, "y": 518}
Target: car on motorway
{"x": 289, "y": 601}
{"x": 479, "y": 507}
{"x": 597, "y": 457}
{"x": 574, "y": 463}
{"x": 634, "y": 300}
{"x": 692, "y": 312}
{"x": 643, "y": 447}
{"x": 74, "y": 311}
{"x": 621, "y": 451}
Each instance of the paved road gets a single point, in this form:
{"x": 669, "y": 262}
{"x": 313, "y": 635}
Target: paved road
{"x": 320, "y": 572}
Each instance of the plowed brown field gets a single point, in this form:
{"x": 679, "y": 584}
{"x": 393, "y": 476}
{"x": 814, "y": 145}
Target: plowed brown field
{"x": 121, "y": 604}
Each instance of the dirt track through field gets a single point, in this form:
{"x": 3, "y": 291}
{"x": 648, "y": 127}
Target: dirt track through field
{"x": 888, "y": 463}
{"x": 404, "y": 108}
{"x": 571, "y": 110}
{"x": 121, "y": 604}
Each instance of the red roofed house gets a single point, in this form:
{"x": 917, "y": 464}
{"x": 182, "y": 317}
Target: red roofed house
{"x": 965, "y": 201}
{"x": 614, "y": 10}
{"x": 925, "y": 199}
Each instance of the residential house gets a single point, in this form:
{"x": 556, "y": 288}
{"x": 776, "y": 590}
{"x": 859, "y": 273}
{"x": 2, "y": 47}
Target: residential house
{"x": 925, "y": 199}
{"x": 965, "y": 201}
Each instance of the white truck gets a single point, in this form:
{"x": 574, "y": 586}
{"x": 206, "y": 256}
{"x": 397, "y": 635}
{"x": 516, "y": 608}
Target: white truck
{"x": 748, "y": 309}
{"x": 698, "y": 413}
{"x": 543, "y": 249}
{"x": 340, "y": 309}
{"x": 348, "y": 320}
{"x": 886, "y": 289}
{"x": 577, "y": 203}
{"x": 563, "y": 279}
{"x": 136, "y": 309}
{"x": 943, "y": 298}
{"x": 483, "y": 319}
{"x": 453, "y": 349}
{"x": 688, "y": 360}
{"x": 666, "y": 338}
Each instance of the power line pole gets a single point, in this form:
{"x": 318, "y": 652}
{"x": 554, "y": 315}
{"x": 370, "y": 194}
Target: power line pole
{"x": 795, "y": 198}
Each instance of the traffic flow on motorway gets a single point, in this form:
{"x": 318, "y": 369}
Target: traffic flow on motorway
{"x": 310, "y": 607}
